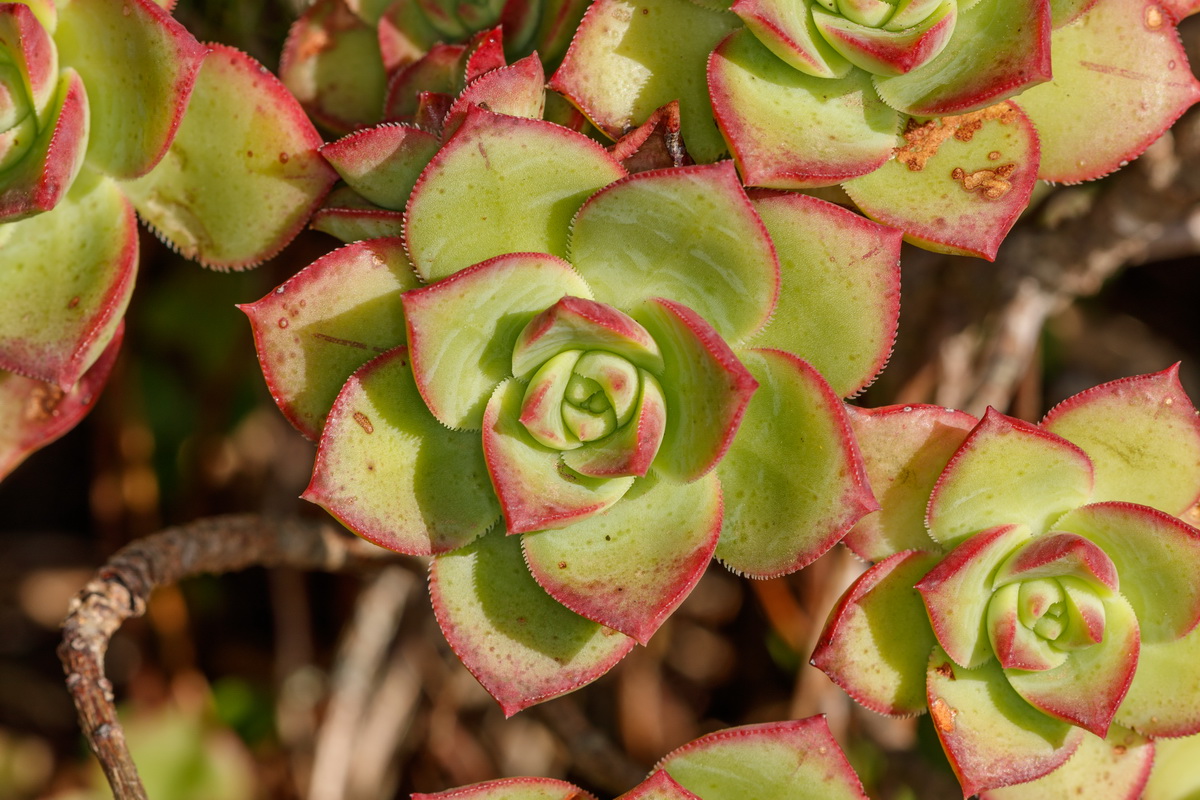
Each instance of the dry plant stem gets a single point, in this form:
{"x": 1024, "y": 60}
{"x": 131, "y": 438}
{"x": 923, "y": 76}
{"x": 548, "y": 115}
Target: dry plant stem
{"x": 121, "y": 588}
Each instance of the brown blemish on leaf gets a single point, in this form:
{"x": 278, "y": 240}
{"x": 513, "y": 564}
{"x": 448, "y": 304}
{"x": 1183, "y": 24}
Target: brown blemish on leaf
{"x": 922, "y": 139}
{"x": 43, "y": 403}
{"x": 335, "y": 340}
{"x": 991, "y": 183}
{"x": 364, "y": 422}
{"x": 943, "y": 715}
{"x": 74, "y": 301}
{"x": 945, "y": 670}
{"x": 994, "y": 155}
{"x": 1119, "y": 749}
{"x": 1154, "y": 17}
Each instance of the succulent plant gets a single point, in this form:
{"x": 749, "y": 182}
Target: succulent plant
{"x": 1032, "y": 589}
{"x": 798, "y": 760}
{"x": 550, "y": 386}
{"x": 354, "y": 63}
{"x": 92, "y": 106}
{"x": 935, "y": 116}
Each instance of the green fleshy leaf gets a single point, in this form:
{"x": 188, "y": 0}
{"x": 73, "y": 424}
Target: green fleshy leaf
{"x": 521, "y": 644}
{"x": 958, "y": 184}
{"x": 511, "y": 789}
{"x": 799, "y": 760}
{"x": 1112, "y": 767}
{"x": 67, "y": 278}
{"x": 630, "y": 58}
{"x": 789, "y": 130}
{"x": 537, "y": 492}
{"x": 957, "y": 592}
{"x": 517, "y": 90}
{"x": 1007, "y": 471}
{"x": 382, "y": 164}
{"x": 574, "y": 323}
{"x": 877, "y": 640}
{"x": 992, "y": 737}
{"x": 324, "y": 47}
{"x": 1122, "y": 60}
{"x": 1014, "y": 643}
{"x": 688, "y": 235}
{"x": 1063, "y": 12}
{"x": 328, "y": 320}
{"x": 631, "y": 566}
{"x": 793, "y": 479}
{"x": 659, "y": 786}
{"x": 630, "y": 450}
{"x": 1157, "y": 558}
{"x": 1174, "y": 774}
{"x": 350, "y": 217}
{"x": 999, "y": 48}
{"x": 896, "y": 48}
{"x": 1164, "y": 698}
{"x": 243, "y": 173}
{"x": 462, "y": 330}
{"x": 392, "y": 473}
{"x": 789, "y": 31}
{"x": 1089, "y": 685}
{"x": 139, "y": 65}
{"x": 437, "y": 72}
{"x": 502, "y": 185}
{"x": 1143, "y": 437}
{"x": 706, "y": 387}
{"x": 905, "y": 449}
{"x": 839, "y": 297}
{"x": 33, "y": 413}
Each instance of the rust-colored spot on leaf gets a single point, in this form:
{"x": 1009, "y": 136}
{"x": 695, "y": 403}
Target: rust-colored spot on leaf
{"x": 922, "y": 139}
{"x": 364, "y": 422}
{"x": 1119, "y": 749}
{"x": 943, "y": 715}
{"x": 1154, "y": 17}
{"x": 945, "y": 670}
{"x": 991, "y": 183}
{"x": 73, "y": 302}
{"x": 43, "y": 402}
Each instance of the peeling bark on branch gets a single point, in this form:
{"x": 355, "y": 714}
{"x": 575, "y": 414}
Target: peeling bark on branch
{"x": 121, "y": 588}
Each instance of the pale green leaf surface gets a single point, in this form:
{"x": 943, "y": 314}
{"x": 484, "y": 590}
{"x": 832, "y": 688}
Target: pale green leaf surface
{"x": 68, "y": 274}
{"x": 689, "y": 235}
{"x": 382, "y": 164}
{"x": 138, "y": 64}
{"x": 659, "y": 786}
{"x": 1157, "y": 558}
{"x": 1174, "y": 774}
{"x": 793, "y": 479}
{"x": 630, "y": 58}
{"x": 905, "y": 449}
{"x": 839, "y": 288}
{"x": 502, "y": 185}
{"x": 462, "y": 330}
{"x": 631, "y": 566}
{"x": 789, "y": 130}
{"x": 520, "y": 643}
{"x": 243, "y": 173}
{"x": 392, "y": 473}
{"x": 511, "y": 789}
{"x": 1121, "y": 78}
{"x": 1164, "y": 698}
{"x": 328, "y": 320}
{"x": 799, "y": 760}
{"x": 992, "y": 737}
{"x": 1008, "y": 471}
{"x": 877, "y": 641}
{"x": 1113, "y": 767}
{"x": 1143, "y": 437}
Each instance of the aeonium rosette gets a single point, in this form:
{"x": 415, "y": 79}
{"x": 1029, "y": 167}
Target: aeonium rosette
{"x": 1033, "y": 590}
{"x": 572, "y": 396}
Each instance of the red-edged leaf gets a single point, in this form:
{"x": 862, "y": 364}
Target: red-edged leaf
{"x": 1115, "y": 768}
{"x": 33, "y": 414}
{"x": 1007, "y": 471}
{"x": 511, "y": 789}
{"x": 655, "y": 144}
{"x": 905, "y": 449}
{"x": 798, "y": 759}
{"x": 659, "y": 786}
{"x": 243, "y": 173}
{"x": 1121, "y": 78}
{"x": 1164, "y": 698}
{"x": 631, "y": 566}
{"x": 1143, "y": 437}
{"x": 392, "y": 473}
{"x": 316, "y": 329}
{"x": 325, "y": 47}
{"x": 67, "y": 278}
{"x": 437, "y": 71}
{"x": 574, "y": 323}
{"x": 521, "y": 644}
{"x": 350, "y": 217}
{"x": 517, "y": 90}
{"x": 877, "y": 640}
{"x": 958, "y": 590}
{"x": 1057, "y": 554}
{"x": 382, "y": 163}
{"x": 793, "y": 477}
{"x": 992, "y": 737}
{"x": 139, "y": 65}
{"x": 789, "y": 130}
{"x": 839, "y": 292}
